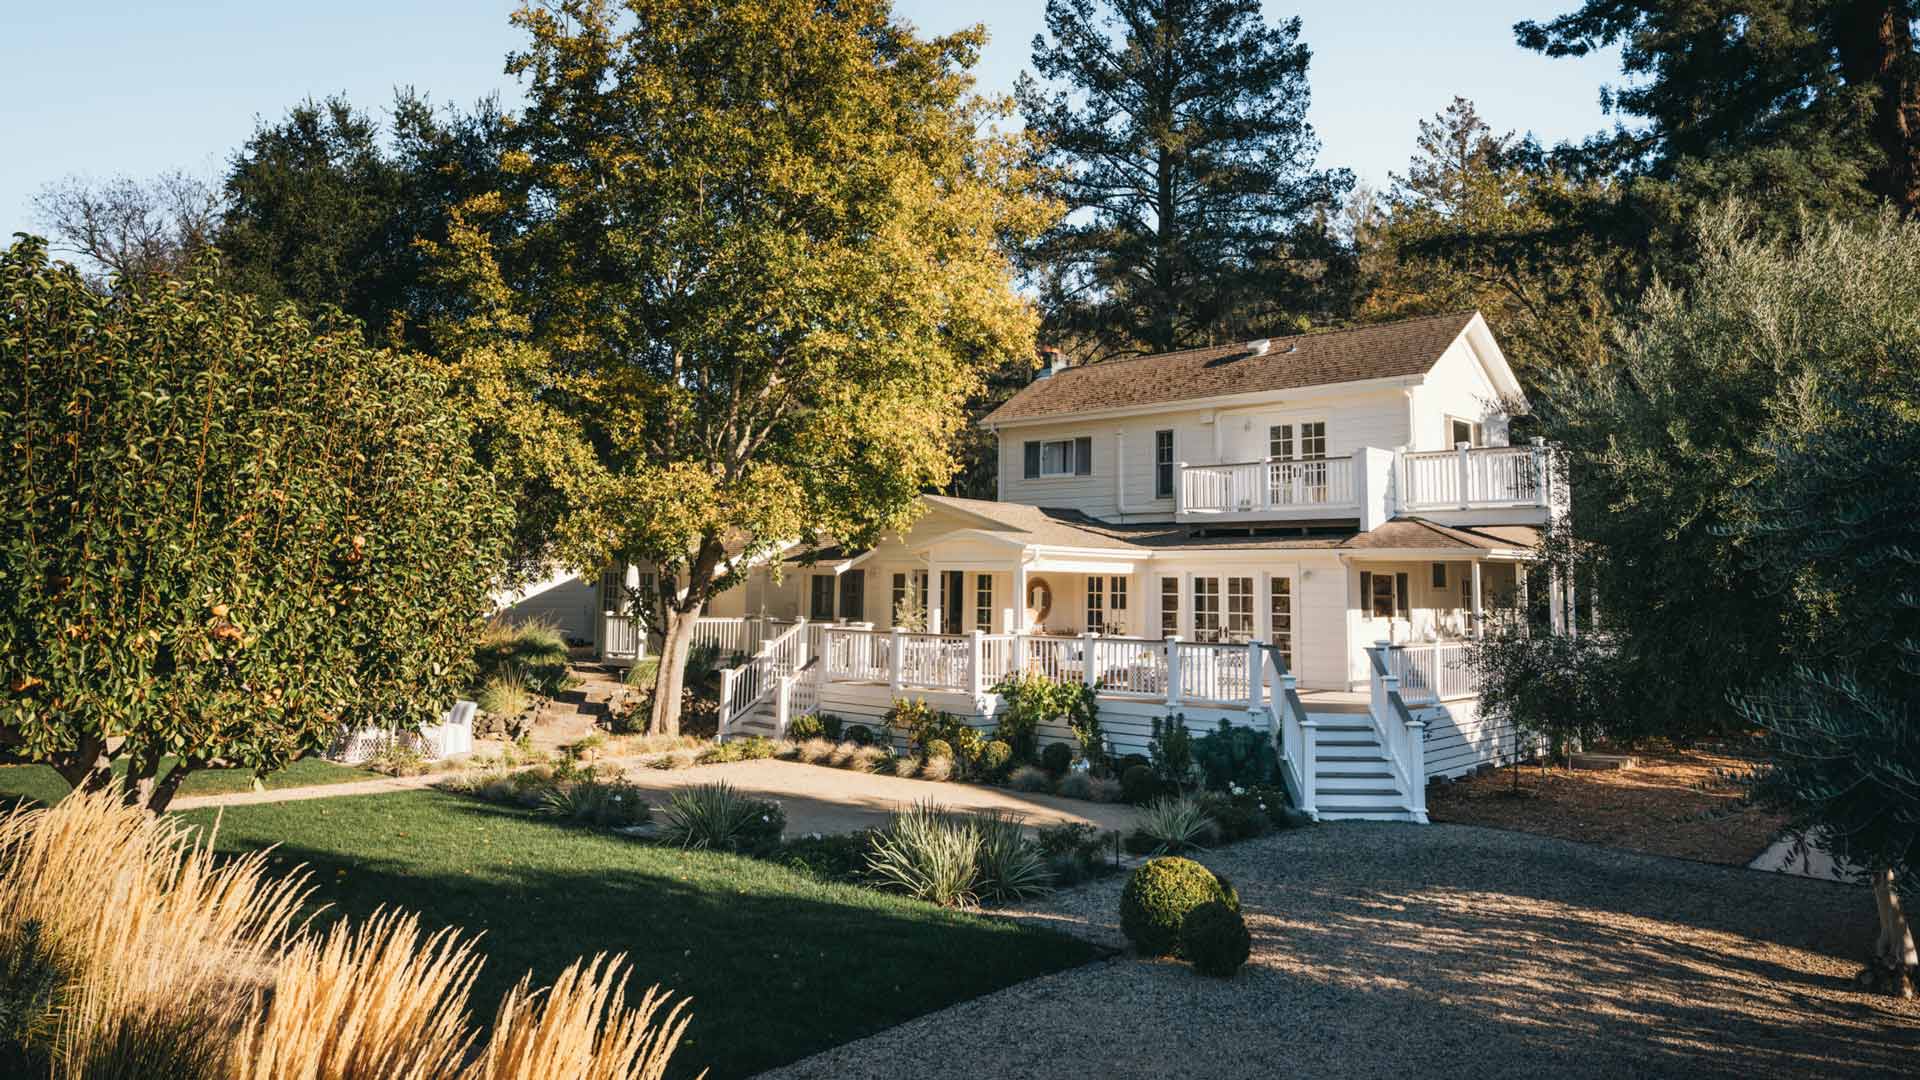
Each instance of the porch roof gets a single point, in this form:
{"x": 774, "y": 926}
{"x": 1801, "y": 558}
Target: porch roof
{"x": 1051, "y": 527}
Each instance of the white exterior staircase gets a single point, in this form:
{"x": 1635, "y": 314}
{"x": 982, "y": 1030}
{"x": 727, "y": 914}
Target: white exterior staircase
{"x": 1368, "y": 765}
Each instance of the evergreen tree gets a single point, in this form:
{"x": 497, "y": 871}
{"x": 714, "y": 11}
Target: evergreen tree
{"x": 1177, "y": 131}
{"x": 324, "y": 208}
{"x": 1470, "y": 225}
{"x": 1791, "y": 102}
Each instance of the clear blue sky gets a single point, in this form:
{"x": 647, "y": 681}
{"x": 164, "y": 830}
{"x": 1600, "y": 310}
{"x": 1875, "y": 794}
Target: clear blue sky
{"x": 102, "y": 88}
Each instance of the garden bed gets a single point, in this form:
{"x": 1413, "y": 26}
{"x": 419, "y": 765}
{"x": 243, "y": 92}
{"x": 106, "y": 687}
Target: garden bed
{"x": 1679, "y": 802}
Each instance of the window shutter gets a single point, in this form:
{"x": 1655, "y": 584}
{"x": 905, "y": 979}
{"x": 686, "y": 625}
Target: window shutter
{"x": 853, "y": 595}
{"x": 1366, "y": 594}
{"x": 1033, "y": 460}
{"x": 1400, "y": 596}
{"x": 1083, "y": 456}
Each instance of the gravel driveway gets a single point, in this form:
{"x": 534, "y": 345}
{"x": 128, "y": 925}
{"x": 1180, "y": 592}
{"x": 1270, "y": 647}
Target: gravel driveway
{"x": 1404, "y": 951}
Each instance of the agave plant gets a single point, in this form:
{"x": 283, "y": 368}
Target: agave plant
{"x": 1175, "y": 824}
{"x": 928, "y": 854}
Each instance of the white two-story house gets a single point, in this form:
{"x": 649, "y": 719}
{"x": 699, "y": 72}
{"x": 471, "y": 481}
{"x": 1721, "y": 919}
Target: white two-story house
{"x": 1225, "y": 532}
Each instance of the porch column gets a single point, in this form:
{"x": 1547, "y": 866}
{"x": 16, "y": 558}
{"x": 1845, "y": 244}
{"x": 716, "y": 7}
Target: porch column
{"x": 1479, "y": 616}
{"x": 1556, "y": 602}
{"x": 1017, "y": 614}
{"x": 1573, "y": 595}
{"x": 1186, "y": 623}
{"x": 1520, "y": 571}
{"x": 936, "y": 588}
{"x": 1263, "y": 609}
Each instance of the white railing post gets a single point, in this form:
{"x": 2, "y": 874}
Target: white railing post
{"x": 1089, "y": 665}
{"x": 726, "y": 702}
{"x": 1173, "y": 672}
{"x": 1401, "y": 475}
{"x": 783, "y": 707}
{"x": 1179, "y": 490}
{"x": 976, "y": 649}
{"x": 1018, "y": 653}
{"x": 896, "y": 660}
{"x": 1256, "y": 674}
{"x": 1266, "y": 483}
{"x": 1466, "y": 498}
{"x": 1541, "y": 474}
{"x": 1416, "y": 736}
{"x": 1309, "y": 730}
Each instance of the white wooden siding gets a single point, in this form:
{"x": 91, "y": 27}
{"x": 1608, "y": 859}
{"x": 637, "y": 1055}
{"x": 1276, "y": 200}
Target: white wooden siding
{"x": 1457, "y": 387}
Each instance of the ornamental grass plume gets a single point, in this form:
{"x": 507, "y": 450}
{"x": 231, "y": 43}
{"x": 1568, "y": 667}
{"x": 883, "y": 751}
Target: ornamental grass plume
{"x": 160, "y": 959}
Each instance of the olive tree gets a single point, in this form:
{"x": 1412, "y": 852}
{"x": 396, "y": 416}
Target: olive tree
{"x": 225, "y": 531}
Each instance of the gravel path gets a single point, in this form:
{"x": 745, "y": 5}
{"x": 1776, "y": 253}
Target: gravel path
{"x": 1402, "y": 951}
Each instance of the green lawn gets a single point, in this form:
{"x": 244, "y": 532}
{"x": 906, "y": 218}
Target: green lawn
{"x": 42, "y": 784}
{"x": 779, "y": 964}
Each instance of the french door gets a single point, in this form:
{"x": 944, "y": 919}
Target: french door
{"x": 1280, "y": 618}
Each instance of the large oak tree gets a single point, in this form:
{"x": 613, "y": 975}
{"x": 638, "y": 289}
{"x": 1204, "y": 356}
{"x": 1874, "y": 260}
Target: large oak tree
{"x": 765, "y": 258}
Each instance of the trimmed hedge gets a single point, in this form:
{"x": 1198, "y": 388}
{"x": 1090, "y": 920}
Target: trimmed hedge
{"x": 1158, "y": 896}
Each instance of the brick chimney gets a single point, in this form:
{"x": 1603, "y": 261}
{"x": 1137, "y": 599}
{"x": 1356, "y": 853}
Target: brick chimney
{"x": 1052, "y": 362}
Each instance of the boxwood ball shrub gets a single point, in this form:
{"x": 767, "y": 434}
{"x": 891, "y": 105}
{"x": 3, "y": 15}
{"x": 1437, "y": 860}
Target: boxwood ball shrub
{"x": 1214, "y": 939}
{"x": 1057, "y": 758}
{"x": 995, "y": 758}
{"x": 1157, "y": 898}
{"x": 1139, "y": 784}
{"x": 937, "y": 748}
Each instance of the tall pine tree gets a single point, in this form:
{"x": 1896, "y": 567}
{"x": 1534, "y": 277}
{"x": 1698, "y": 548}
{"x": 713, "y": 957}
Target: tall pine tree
{"x": 1812, "y": 102}
{"x": 1178, "y": 132}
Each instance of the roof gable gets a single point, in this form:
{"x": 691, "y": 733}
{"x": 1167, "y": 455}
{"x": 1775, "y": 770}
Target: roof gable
{"x": 1410, "y": 347}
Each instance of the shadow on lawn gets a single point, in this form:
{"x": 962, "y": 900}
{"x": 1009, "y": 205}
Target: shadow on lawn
{"x": 778, "y": 965}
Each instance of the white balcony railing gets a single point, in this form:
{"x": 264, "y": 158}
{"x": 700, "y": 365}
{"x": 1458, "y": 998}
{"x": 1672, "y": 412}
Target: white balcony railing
{"x": 1469, "y": 478}
{"x": 1258, "y": 487}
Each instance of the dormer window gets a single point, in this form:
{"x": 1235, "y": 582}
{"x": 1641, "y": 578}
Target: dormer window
{"x": 1060, "y": 457}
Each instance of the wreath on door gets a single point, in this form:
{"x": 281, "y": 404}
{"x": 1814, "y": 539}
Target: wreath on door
{"x": 1039, "y": 601}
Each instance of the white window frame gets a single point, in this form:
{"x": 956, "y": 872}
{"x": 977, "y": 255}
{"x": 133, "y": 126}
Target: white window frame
{"x": 1168, "y": 467}
{"x": 1474, "y": 432}
{"x": 983, "y": 602}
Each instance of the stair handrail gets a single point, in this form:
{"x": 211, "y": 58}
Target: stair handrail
{"x": 1291, "y": 730}
{"x": 1403, "y": 734}
{"x": 743, "y": 688}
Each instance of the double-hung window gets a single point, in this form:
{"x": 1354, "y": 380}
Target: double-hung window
{"x": 1163, "y": 464}
{"x": 1058, "y": 457}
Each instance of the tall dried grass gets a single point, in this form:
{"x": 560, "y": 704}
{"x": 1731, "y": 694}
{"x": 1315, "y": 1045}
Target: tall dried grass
{"x": 176, "y": 963}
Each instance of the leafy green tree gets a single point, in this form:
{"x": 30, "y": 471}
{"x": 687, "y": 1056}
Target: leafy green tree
{"x": 1664, "y": 441}
{"x": 324, "y": 208}
{"x": 764, "y": 259}
{"x": 1810, "y": 103}
{"x": 1472, "y": 224}
{"x": 1177, "y": 135}
{"x": 1835, "y": 532}
{"x": 225, "y": 532}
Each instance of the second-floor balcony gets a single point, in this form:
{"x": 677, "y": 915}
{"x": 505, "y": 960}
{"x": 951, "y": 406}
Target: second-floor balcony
{"x": 1488, "y": 484}
{"x": 1316, "y": 488}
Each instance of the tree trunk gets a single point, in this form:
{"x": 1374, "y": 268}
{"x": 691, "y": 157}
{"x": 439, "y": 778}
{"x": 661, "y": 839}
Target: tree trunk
{"x": 1894, "y": 956}
{"x": 675, "y": 644}
{"x": 160, "y": 793}
{"x": 1875, "y": 45}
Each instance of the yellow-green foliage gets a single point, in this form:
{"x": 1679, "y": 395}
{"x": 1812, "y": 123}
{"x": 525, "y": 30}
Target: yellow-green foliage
{"x": 771, "y": 328}
{"x": 1157, "y": 898}
{"x": 224, "y": 530}
{"x": 175, "y": 963}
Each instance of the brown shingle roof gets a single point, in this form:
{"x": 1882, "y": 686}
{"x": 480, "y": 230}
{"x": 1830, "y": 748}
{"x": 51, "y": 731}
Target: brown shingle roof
{"x": 1056, "y": 527}
{"x": 1388, "y": 350}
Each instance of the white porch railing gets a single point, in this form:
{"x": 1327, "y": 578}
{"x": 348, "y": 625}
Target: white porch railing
{"x": 1171, "y": 670}
{"x": 1293, "y": 733}
{"x": 1433, "y": 672}
{"x": 743, "y": 688}
{"x": 1402, "y": 734}
{"x": 1467, "y": 478}
{"x": 1267, "y": 486}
